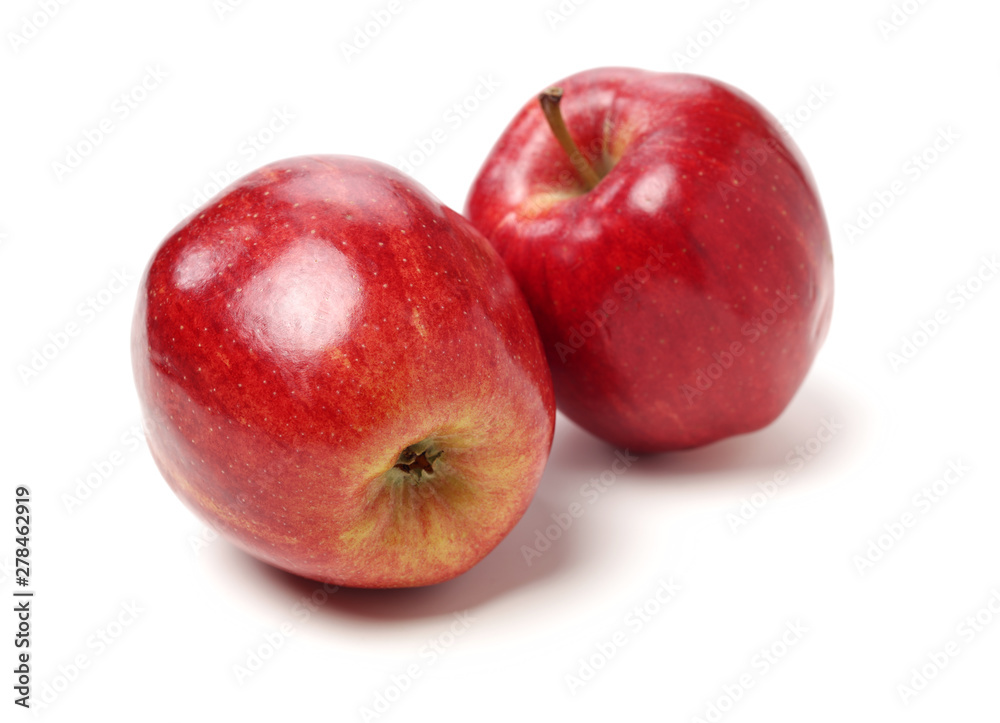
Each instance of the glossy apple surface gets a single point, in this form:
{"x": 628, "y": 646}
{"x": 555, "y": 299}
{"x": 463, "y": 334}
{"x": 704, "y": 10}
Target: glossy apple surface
{"x": 340, "y": 375}
{"x": 683, "y": 298}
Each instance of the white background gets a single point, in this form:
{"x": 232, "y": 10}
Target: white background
{"x": 201, "y": 607}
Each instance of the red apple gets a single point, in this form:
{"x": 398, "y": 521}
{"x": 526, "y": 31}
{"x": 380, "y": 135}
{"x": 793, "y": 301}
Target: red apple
{"x": 340, "y": 375}
{"x": 671, "y": 244}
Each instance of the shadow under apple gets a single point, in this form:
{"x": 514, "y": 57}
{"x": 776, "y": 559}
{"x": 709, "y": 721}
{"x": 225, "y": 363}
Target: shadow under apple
{"x": 577, "y": 457}
{"x": 749, "y": 455}
{"x": 502, "y": 571}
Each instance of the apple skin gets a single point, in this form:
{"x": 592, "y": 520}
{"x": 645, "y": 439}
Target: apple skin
{"x": 294, "y": 337}
{"x": 705, "y": 237}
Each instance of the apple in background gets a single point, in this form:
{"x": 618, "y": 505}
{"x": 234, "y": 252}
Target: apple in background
{"x": 340, "y": 375}
{"x": 671, "y": 244}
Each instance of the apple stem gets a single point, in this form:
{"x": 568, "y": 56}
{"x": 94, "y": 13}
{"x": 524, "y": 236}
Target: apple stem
{"x": 550, "y": 107}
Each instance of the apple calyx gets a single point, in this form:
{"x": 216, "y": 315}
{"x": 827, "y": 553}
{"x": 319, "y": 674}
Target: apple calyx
{"x": 414, "y": 462}
{"x": 549, "y": 101}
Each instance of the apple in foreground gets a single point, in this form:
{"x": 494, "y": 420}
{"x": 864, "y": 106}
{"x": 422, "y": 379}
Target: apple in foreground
{"x": 670, "y": 241}
{"x": 340, "y": 375}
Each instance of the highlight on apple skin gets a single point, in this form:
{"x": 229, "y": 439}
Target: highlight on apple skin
{"x": 670, "y": 241}
{"x": 339, "y": 374}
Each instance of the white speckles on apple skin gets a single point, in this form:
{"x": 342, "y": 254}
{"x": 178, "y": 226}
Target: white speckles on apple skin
{"x": 310, "y": 423}
{"x": 776, "y": 203}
